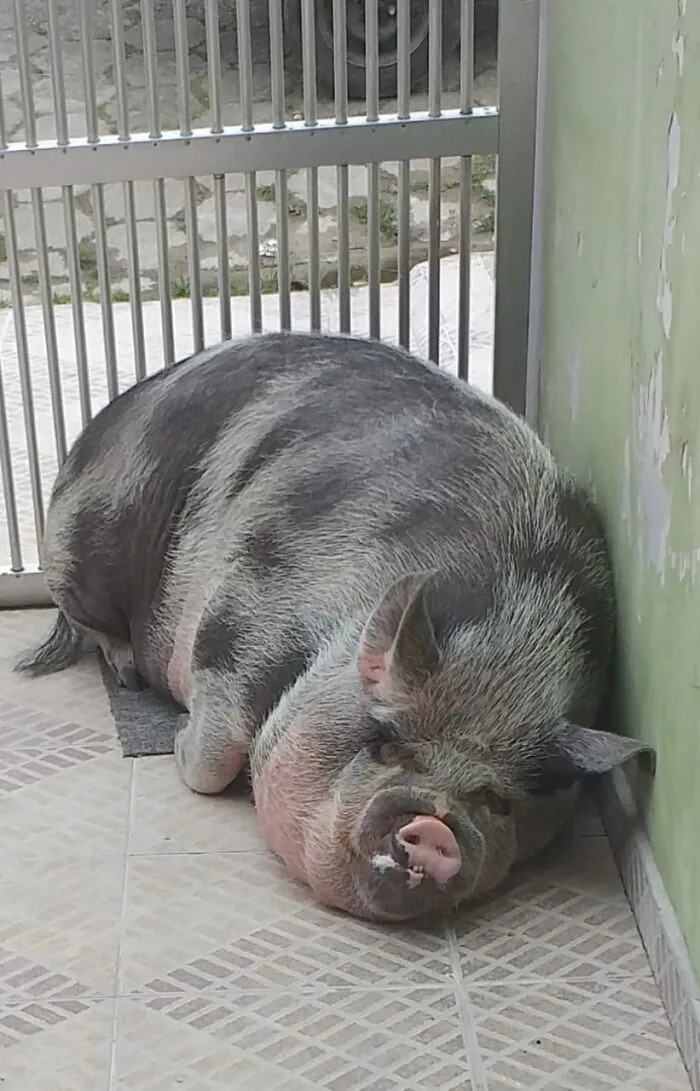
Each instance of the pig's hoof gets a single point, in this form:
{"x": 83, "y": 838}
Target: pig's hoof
{"x": 206, "y": 767}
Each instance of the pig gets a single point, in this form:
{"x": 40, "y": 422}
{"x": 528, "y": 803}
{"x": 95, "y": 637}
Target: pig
{"x": 363, "y": 577}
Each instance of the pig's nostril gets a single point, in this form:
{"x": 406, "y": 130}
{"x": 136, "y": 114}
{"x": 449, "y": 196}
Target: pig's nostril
{"x": 431, "y": 845}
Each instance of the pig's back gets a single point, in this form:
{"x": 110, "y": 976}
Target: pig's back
{"x": 355, "y": 464}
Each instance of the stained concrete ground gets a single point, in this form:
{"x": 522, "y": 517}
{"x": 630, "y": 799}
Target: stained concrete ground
{"x": 483, "y": 167}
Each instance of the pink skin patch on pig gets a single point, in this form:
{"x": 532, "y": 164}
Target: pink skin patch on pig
{"x": 280, "y": 800}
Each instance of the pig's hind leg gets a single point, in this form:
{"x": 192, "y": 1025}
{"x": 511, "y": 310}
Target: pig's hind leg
{"x": 211, "y": 746}
{"x": 119, "y": 657}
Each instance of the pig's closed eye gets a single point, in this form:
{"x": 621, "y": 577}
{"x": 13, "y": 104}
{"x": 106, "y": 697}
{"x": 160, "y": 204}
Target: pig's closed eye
{"x": 382, "y": 744}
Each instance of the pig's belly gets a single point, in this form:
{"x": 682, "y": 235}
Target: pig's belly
{"x": 179, "y": 669}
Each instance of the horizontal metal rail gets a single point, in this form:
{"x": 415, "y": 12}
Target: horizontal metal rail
{"x": 21, "y": 589}
{"x": 173, "y": 155}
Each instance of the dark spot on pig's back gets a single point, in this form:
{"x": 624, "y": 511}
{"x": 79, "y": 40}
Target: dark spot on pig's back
{"x": 265, "y": 549}
{"x": 219, "y": 640}
{"x": 266, "y": 682}
{"x": 313, "y": 497}
{"x": 187, "y": 423}
{"x": 278, "y": 438}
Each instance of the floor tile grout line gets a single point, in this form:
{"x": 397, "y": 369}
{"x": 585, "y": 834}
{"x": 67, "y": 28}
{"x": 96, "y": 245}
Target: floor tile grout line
{"x": 477, "y": 1071}
{"x": 122, "y": 911}
{"x": 143, "y": 992}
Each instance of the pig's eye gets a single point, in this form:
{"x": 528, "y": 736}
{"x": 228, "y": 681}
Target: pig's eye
{"x": 383, "y": 745}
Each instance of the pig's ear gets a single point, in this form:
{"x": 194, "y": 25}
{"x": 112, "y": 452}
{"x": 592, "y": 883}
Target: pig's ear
{"x": 398, "y": 644}
{"x": 571, "y": 753}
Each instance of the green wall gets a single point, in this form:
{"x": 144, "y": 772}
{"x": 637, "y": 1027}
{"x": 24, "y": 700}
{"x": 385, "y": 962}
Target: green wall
{"x": 619, "y": 353}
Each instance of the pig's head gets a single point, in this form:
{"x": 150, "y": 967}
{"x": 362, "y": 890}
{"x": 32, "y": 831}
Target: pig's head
{"x": 394, "y": 782}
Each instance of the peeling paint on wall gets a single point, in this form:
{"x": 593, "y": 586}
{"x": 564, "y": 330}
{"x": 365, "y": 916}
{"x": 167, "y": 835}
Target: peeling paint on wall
{"x": 678, "y": 50}
{"x": 653, "y": 444}
{"x": 664, "y": 299}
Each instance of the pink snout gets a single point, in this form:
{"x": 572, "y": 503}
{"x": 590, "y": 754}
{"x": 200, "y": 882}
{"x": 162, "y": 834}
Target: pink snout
{"x": 432, "y": 846}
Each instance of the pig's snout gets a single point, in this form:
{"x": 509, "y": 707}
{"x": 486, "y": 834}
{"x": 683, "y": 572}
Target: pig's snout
{"x": 431, "y": 846}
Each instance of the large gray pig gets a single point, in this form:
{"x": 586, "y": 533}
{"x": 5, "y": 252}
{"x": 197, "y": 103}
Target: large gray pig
{"x": 371, "y": 580}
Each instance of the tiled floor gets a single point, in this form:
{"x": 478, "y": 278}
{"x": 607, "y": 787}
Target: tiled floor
{"x": 148, "y": 942}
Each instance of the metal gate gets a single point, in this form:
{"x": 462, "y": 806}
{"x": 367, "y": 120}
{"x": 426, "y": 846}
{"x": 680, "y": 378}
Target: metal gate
{"x": 63, "y": 169}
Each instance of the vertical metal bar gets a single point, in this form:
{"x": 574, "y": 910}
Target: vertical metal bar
{"x": 103, "y": 279}
{"x": 372, "y": 108}
{"x": 150, "y": 62}
{"x": 119, "y": 55}
{"x": 8, "y": 486}
{"x": 25, "y": 376}
{"x": 57, "y": 80}
{"x": 76, "y": 295}
{"x": 245, "y": 65}
{"x": 42, "y": 254}
{"x": 25, "y": 73}
{"x": 403, "y": 33}
{"x": 3, "y": 125}
{"x": 223, "y": 280}
{"x": 278, "y": 122}
{"x": 539, "y": 225}
{"x": 132, "y": 242}
{"x": 164, "y": 289}
{"x": 308, "y": 51}
{"x": 340, "y": 48}
{"x": 466, "y": 100}
{"x": 132, "y": 259}
{"x": 87, "y": 8}
{"x": 283, "y": 249}
{"x": 211, "y": 16}
{"x": 183, "y": 79}
{"x": 183, "y": 67}
{"x": 251, "y": 203}
{"x": 148, "y": 28}
{"x": 277, "y": 63}
{"x": 193, "y": 266}
{"x": 518, "y": 40}
{"x": 344, "y": 309}
{"x": 371, "y": 60}
{"x": 434, "y": 177}
{"x": 91, "y": 122}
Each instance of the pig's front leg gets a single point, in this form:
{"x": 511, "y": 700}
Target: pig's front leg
{"x": 211, "y": 745}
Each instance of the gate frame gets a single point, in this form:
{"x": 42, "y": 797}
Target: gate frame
{"x": 508, "y": 131}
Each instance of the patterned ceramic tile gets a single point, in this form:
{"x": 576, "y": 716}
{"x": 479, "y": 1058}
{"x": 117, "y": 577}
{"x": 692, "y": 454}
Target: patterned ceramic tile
{"x": 83, "y": 809}
{"x": 71, "y": 697}
{"x": 575, "y": 1037}
{"x": 564, "y": 915}
{"x": 114, "y": 877}
{"x": 56, "y": 1045}
{"x": 167, "y": 817}
{"x": 236, "y": 921}
{"x": 59, "y": 924}
{"x": 338, "y": 1040}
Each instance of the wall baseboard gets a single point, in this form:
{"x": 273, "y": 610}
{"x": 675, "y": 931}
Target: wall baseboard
{"x": 656, "y": 920}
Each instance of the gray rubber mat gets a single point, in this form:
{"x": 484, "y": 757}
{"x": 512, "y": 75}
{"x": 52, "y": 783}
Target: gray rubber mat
{"x": 145, "y": 722}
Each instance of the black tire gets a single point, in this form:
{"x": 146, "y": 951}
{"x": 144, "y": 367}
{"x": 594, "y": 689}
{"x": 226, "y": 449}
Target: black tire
{"x": 388, "y": 67}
